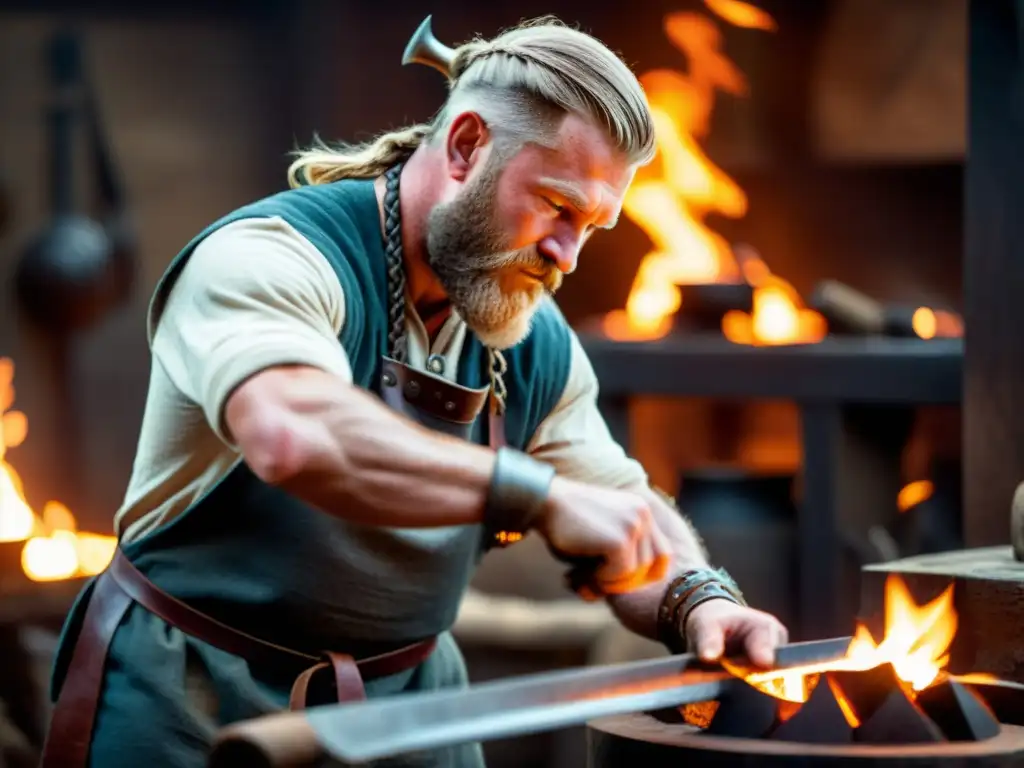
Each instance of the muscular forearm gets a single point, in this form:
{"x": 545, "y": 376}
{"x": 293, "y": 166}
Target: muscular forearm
{"x": 340, "y": 449}
{"x": 638, "y": 610}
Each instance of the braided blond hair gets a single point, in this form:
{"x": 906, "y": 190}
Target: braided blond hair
{"x": 522, "y": 83}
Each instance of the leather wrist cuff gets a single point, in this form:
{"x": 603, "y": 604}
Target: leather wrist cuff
{"x": 685, "y": 593}
{"x": 517, "y": 494}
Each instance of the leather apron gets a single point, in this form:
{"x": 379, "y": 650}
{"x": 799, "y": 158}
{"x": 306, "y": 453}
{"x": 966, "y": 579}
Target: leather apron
{"x": 430, "y": 400}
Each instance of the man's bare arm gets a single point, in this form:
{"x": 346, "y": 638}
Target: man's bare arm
{"x": 638, "y": 610}
{"x": 340, "y": 449}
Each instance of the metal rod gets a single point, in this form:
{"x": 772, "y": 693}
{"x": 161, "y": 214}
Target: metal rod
{"x": 409, "y": 722}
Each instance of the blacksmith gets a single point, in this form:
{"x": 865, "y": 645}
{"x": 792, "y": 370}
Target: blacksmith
{"x": 360, "y": 385}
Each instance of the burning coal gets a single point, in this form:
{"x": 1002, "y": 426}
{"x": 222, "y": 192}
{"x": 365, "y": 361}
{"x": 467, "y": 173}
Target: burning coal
{"x": 903, "y": 677}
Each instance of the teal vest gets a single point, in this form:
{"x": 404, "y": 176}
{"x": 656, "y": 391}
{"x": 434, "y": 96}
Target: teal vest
{"x": 260, "y": 560}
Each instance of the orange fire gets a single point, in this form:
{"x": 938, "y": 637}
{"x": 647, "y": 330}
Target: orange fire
{"x": 914, "y": 493}
{"x": 53, "y": 549}
{"x": 916, "y": 643}
{"x": 742, "y": 14}
{"x": 779, "y": 316}
{"x": 672, "y": 198}
{"x": 931, "y": 323}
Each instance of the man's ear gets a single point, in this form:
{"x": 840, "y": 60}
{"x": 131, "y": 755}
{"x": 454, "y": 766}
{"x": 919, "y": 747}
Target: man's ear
{"x": 467, "y": 137}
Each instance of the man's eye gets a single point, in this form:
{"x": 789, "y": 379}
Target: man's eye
{"x": 554, "y": 205}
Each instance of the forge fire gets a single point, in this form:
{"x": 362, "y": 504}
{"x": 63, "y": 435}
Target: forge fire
{"x": 891, "y": 701}
{"x": 916, "y": 644}
{"x": 896, "y": 691}
{"x": 672, "y": 199}
{"x": 53, "y": 547}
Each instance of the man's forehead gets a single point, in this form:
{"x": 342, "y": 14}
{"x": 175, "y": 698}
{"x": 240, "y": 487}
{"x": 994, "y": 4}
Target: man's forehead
{"x": 588, "y": 150}
{"x": 586, "y": 160}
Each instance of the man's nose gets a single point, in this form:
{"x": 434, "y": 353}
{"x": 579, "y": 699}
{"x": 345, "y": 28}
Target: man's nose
{"x": 562, "y": 252}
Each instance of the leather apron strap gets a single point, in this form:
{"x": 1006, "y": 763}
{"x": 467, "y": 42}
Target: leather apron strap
{"x": 74, "y": 715}
{"x": 328, "y": 678}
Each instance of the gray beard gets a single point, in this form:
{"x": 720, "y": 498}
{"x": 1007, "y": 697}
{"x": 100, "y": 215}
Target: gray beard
{"x": 469, "y": 255}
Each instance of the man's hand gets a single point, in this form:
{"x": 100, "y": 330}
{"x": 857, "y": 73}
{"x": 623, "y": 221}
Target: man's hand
{"x": 613, "y": 528}
{"x": 720, "y": 627}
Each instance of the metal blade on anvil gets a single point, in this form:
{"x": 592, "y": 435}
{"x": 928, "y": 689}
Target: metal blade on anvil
{"x": 411, "y": 722}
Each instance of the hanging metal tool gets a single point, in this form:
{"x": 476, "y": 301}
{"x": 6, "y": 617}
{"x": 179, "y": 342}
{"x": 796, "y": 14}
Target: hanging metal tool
{"x": 77, "y": 268}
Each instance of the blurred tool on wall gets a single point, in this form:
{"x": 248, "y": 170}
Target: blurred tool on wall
{"x": 80, "y": 266}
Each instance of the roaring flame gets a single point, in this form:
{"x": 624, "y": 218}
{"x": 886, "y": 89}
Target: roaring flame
{"x": 916, "y": 644}
{"x": 53, "y": 548}
{"x": 672, "y": 198}
{"x": 779, "y": 316}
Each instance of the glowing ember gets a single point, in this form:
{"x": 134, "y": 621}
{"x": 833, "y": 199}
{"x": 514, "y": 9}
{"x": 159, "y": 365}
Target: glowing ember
{"x": 916, "y": 643}
{"x": 53, "y": 548}
{"x": 742, "y": 14}
{"x": 914, "y": 493}
{"x": 671, "y": 199}
{"x": 779, "y": 316}
{"x": 937, "y": 323}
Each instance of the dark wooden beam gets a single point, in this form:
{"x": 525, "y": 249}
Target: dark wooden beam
{"x": 886, "y": 371}
{"x": 994, "y": 272}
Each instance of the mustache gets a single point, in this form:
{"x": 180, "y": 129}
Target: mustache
{"x": 549, "y": 275}
{"x": 492, "y": 260}
{"x": 528, "y": 260}
{"x": 482, "y": 265}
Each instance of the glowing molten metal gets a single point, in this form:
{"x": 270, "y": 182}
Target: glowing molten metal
{"x": 916, "y": 644}
{"x": 53, "y": 548}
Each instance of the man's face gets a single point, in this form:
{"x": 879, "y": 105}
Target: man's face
{"x": 515, "y": 226}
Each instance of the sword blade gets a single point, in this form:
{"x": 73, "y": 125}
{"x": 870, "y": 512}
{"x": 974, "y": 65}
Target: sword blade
{"x": 411, "y": 722}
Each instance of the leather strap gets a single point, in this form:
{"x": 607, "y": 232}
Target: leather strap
{"x": 74, "y": 714}
{"x": 328, "y": 678}
{"x": 220, "y": 635}
{"x": 344, "y": 675}
{"x": 496, "y": 429}
{"x": 192, "y": 622}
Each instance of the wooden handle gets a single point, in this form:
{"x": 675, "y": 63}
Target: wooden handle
{"x": 580, "y": 576}
{"x": 283, "y": 740}
{"x": 848, "y": 310}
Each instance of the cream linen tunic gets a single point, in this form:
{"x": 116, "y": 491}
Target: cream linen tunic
{"x": 256, "y": 294}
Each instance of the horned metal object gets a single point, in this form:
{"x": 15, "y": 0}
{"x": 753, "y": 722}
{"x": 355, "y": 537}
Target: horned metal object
{"x": 424, "y": 48}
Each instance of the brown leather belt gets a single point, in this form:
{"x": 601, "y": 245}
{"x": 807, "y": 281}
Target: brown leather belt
{"x": 74, "y": 714}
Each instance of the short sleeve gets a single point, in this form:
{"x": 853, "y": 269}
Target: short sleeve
{"x": 574, "y": 437}
{"x": 253, "y": 295}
